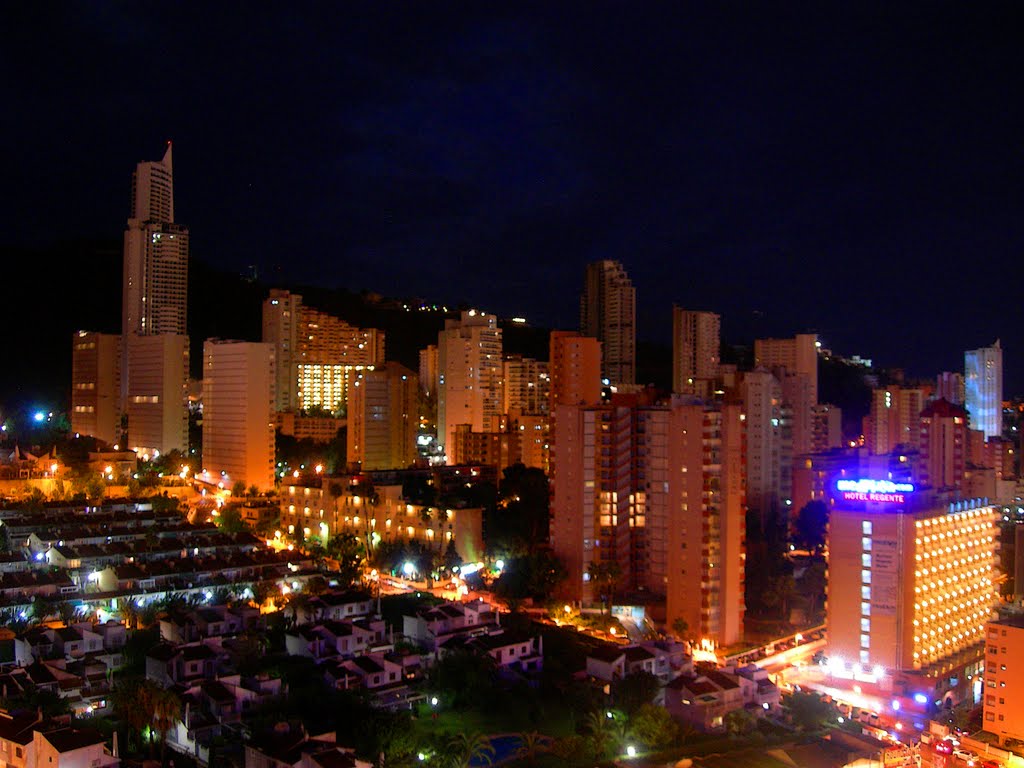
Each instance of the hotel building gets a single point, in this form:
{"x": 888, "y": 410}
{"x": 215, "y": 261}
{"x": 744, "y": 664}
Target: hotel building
{"x": 911, "y": 583}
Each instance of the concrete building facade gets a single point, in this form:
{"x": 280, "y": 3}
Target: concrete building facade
{"x": 608, "y": 314}
{"x": 96, "y": 385}
{"x": 238, "y": 414}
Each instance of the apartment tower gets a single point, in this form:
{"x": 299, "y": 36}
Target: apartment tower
{"x": 696, "y": 346}
{"x": 469, "y": 376}
{"x": 608, "y": 314}
{"x": 238, "y": 413}
{"x": 983, "y": 385}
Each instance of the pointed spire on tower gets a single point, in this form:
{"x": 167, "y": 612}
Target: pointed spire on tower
{"x": 167, "y": 157}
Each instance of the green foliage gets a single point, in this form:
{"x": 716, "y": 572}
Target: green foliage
{"x": 230, "y": 519}
{"x": 535, "y": 575}
{"x": 739, "y": 722}
{"x": 463, "y": 678}
{"x": 809, "y": 712}
{"x": 634, "y": 690}
{"x": 238, "y": 489}
{"x": 653, "y": 727}
{"x": 349, "y": 553}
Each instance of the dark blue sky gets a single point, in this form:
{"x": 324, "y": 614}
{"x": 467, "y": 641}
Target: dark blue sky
{"x": 851, "y": 168}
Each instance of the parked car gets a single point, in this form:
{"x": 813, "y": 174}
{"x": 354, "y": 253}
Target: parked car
{"x": 968, "y": 757}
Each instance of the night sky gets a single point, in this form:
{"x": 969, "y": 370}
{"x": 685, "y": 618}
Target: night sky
{"x": 854, "y": 170}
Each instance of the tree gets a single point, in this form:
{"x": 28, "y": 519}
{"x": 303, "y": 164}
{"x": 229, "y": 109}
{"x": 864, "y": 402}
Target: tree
{"x": 654, "y": 727}
{"x": 463, "y": 678}
{"x": 230, "y": 519}
{"x": 531, "y": 744}
{"x": 739, "y": 722}
{"x": 133, "y": 703}
{"x": 603, "y": 739}
{"x": 681, "y": 627}
{"x": 811, "y": 525}
{"x": 605, "y": 576}
{"x": 465, "y": 749}
{"x": 634, "y": 690}
{"x": 238, "y": 489}
{"x": 166, "y": 714}
{"x": 808, "y": 711}
{"x": 348, "y": 552}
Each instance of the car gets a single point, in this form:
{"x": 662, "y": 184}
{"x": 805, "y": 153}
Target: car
{"x": 990, "y": 763}
{"x": 968, "y": 757}
{"x": 943, "y": 747}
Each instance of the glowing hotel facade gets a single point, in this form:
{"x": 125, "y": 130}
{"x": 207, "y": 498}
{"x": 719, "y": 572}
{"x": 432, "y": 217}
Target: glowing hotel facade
{"x": 911, "y": 583}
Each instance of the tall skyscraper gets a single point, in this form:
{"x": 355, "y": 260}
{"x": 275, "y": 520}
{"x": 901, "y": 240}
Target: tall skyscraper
{"x": 527, "y": 386}
{"x": 155, "y": 278}
{"x": 238, "y": 413}
{"x": 983, "y": 385}
{"x": 281, "y": 328}
{"x": 469, "y": 373}
{"x": 382, "y": 418}
{"x": 96, "y": 385}
{"x": 608, "y": 314}
{"x": 155, "y": 304}
{"x": 696, "y": 346}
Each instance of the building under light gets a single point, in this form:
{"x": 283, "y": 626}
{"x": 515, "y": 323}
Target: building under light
{"x": 912, "y": 583}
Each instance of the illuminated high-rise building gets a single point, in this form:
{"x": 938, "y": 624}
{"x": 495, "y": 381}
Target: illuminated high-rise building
{"x": 911, "y": 582}
{"x": 157, "y": 404}
{"x": 949, "y": 386}
{"x": 983, "y": 385}
{"x": 317, "y": 355}
{"x": 1004, "y": 678}
{"x": 382, "y": 418}
{"x": 766, "y": 449}
{"x": 575, "y": 370}
{"x": 282, "y": 318}
{"x": 470, "y": 375}
{"x": 527, "y": 385}
{"x": 797, "y": 355}
{"x": 608, "y": 314}
{"x": 943, "y": 445}
{"x": 428, "y": 370}
{"x": 154, "y": 304}
{"x": 895, "y": 419}
{"x": 656, "y": 490}
{"x": 96, "y": 385}
{"x": 696, "y": 346}
{"x": 155, "y": 285}
{"x": 238, "y": 413}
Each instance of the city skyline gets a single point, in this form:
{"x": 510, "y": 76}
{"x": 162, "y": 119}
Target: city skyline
{"x": 807, "y": 179}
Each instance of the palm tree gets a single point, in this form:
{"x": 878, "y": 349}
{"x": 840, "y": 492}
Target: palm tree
{"x": 530, "y": 745}
{"x": 467, "y": 748}
{"x": 602, "y": 736}
{"x": 166, "y": 714}
{"x": 128, "y": 610}
{"x": 133, "y": 703}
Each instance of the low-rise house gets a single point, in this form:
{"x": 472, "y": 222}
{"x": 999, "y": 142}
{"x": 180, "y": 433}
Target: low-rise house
{"x": 290, "y": 747}
{"x": 338, "y": 606}
{"x": 168, "y": 664}
{"x": 511, "y": 650}
{"x": 431, "y": 627}
{"x": 704, "y": 698}
{"x": 72, "y": 748}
